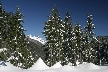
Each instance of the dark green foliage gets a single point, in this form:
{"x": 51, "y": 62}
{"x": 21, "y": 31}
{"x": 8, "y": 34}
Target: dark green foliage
{"x": 12, "y": 38}
{"x": 88, "y": 37}
{"x": 54, "y": 37}
{"x": 68, "y": 46}
{"x": 3, "y": 32}
{"x": 78, "y": 42}
{"x": 22, "y": 57}
{"x": 2, "y": 27}
{"x": 102, "y": 50}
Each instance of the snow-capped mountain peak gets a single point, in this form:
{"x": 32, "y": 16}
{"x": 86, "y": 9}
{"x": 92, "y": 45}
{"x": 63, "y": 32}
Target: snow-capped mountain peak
{"x": 37, "y": 38}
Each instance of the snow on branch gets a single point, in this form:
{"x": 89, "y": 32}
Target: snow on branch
{"x": 20, "y": 19}
{"x": 3, "y": 49}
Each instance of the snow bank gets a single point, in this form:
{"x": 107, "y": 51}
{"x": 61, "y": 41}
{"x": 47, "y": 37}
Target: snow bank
{"x": 67, "y": 68}
{"x": 49, "y": 71}
{"x": 8, "y": 67}
{"x": 39, "y": 65}
{"x": 82, "y": 64}
{"x": 57, "y": 65}
{"x": 89, "y": 66}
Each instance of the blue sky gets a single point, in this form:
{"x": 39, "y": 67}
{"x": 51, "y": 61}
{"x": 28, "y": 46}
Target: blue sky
{"x": 36, "y": 12}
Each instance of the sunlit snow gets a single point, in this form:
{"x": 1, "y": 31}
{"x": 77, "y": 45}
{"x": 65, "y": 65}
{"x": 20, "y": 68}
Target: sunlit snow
{"x": 89, "y": 66}
{"x": 8, "y": 68}
{"x": 57, "y": 65}
{"x": 40, "y": 66}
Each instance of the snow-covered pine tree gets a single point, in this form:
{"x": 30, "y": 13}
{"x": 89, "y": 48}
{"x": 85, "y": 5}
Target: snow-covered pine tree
{"x": 98, "y": 51}
{"x": 11, "y": 32}
{"x": 68, "y": 51}
{"x": 21, "y": 56}
{"x": 3, "y": 31}
{"x": 88, "y": 36}
{"x": 2, "y": 26}
{"x": 78, "y": 42}
{"x": 102, "y": 49}
{"x": 106, "y": 49}
{"x": 54, "y": 37}
{"x": 95, "y": 44}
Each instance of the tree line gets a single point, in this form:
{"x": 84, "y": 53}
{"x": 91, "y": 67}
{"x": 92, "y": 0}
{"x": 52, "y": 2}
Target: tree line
{"x": 66, "y": 43}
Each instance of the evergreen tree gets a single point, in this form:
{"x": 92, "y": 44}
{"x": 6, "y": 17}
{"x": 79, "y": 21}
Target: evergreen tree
{"x": 78, "y": 42}
{"x": 106, "y": 50}
{"x": 68, "y": 40}
{"x": 3, "y": 32}
{"x": 95, "y": 44}
{"x": 21, "y": 56}
{"x": 11, "y": 32}
{"x": 54, "y": 37}
{"x": 102, "y": 50}
{"x": 2, "y": 27}
{"x": 88, "y": 36}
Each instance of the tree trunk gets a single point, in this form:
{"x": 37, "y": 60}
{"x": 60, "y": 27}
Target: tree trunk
{"x": 51, "y": 57}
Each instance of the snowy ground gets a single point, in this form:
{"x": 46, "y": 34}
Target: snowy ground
{"x": 40, "y": 66}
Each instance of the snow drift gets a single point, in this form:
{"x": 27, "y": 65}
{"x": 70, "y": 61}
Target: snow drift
{"x": 39, "y": 65}
{"x": 57, "y": 65}
{"x": 89, "y": 66}
{"x": 8, "y": 67}
{"x": 67, "y": 68}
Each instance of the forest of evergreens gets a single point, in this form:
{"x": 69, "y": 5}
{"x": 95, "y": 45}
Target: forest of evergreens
{"x": 65, "y": 42}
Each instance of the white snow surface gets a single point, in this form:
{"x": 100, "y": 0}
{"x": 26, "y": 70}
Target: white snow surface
{"x": 40, "y": 66}
{"x": 57, "y": 65}
{"x": 9, "y": 68}
{"x": 67, "y": 68}
{"x": 89, "y": 66}
{"x": 37, "y": 38}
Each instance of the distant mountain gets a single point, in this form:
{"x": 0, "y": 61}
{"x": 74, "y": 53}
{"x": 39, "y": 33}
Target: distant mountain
{"x": 36, "y": 44}
{"x": 37, "y": 38}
